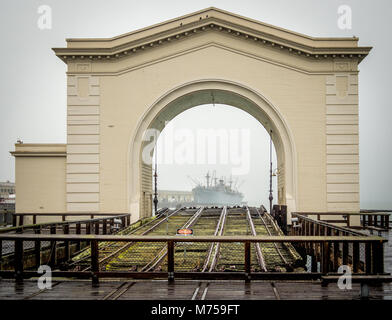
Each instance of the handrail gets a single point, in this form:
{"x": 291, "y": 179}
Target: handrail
{"x": 68, "y": 214}
{"x": 125, "y": 238}
{"x": 362, "y": 213}
{"x": 59, "y": 223}
{"x": 326, "y": 224}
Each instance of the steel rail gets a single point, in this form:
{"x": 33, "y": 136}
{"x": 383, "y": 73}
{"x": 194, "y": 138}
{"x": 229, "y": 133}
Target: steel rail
{"x": 222, "y": 217}
{"x": 270, "y": 234}
{"x": 113, "y": 244}
{"x": 162, "y": 254}
{"x": 217, "y": 245}
{"x": 127, "y": 245}
{"x": 259, "y": 254}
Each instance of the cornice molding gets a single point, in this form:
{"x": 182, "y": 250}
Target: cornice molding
{"x": 212, "y": 24}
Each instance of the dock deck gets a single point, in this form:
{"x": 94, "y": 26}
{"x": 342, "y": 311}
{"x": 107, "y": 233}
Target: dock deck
{"x": 186, "y": 290}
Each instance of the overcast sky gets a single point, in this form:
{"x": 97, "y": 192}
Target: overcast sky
{"x": 33, "y": 82}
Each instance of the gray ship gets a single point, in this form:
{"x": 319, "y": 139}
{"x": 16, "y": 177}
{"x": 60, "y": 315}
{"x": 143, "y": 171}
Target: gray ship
{"x": 216, "y": 192}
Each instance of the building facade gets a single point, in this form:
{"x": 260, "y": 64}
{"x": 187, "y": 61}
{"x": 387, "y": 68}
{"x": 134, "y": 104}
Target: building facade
{"x": 303, "y": 90}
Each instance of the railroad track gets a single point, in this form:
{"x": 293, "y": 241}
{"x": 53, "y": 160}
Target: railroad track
{"x": 213, "y": 251}
{"x": 281, "y": 256}
{"x": 108, "y": 250}
{"x": 200, "y": 256}
{"x": 259, "y": 254}
{"x": 141, "y": 256}
{"x": 151, "y": 265}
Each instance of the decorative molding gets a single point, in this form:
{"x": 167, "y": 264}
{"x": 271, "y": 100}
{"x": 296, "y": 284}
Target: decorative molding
{"x": 317, "y": 50}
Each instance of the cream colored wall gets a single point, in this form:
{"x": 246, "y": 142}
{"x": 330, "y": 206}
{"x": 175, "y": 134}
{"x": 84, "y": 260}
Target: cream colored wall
{"x": 298, "y": 96}
{"x": 311, "y": 82}
{"x": 40, "y": 184}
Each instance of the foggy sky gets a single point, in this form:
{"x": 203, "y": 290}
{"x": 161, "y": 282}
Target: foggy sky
{"x": 33, "y": 81}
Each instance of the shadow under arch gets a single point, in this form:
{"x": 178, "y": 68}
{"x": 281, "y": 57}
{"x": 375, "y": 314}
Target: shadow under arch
{"x": 207, "y": 91}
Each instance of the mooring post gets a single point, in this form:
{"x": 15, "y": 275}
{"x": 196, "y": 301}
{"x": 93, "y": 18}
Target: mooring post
{"x": 247, "y": 261}
{"x": 18, "y": 264}
{"x": 94, "y": 262}
{"x": 170, "y": 260}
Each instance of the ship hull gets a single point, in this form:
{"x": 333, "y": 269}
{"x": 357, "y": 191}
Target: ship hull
{"x": 204, "y": 196}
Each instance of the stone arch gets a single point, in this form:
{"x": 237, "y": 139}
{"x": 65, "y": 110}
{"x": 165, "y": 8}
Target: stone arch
{"x": 206, "y": 91}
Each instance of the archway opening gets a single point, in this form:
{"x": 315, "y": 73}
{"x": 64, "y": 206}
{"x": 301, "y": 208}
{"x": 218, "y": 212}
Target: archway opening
{"x": 214, "y": 154}
{"x": 199, "y": 93}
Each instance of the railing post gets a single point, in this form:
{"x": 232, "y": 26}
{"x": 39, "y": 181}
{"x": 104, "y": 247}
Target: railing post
{"x": 13, "y": 220}
{"x": 104, "y": 226}
{"x": 368, "y": 258}
{"x": 123, "y": 222}
{"x": 378, "y": 256}
{"x": 355, "y": 257}
{"x": 247, "y": 261}
{"x": 66, "y": 243}
{"x": 325, "y": 257}
{"x": 88, "y": 227}
{"x": 128, "y": 220}
{"x": 34, "y": 219}
{"x": 336, "y": 247}
{"x": 18, "y": 260}
{"x": 345, "y": 253}
{"x": 111, "y": 224}
{"x": 21, "y": 220}
{"x": 78, "y": 231}
{"x": 97, "y": 227}
{"x": 53, "y": 245}
{"x": 37, "y": 248}
{"x": 94, "y": 262}
{"x": 78, "y": 228}
{"x": 170, "y": 260}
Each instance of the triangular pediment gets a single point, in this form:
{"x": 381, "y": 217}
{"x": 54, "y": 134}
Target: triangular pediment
{"x": 211, "y": 20}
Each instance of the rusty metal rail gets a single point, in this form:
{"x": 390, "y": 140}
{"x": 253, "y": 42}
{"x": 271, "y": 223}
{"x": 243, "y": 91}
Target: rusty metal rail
{"x": 212, "y": 259}
{"x": 270, "y": 234}
{"x": 259, "y": 254}
{"x": 373, "y": 260}
{"x": 162, "y": 254}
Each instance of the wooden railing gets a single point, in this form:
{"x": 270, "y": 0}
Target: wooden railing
{"x": 369, "y": 219}
{"x": 329, "y": 251}
{"x": 94, "y": 225}
{"x": 62, "y": 216}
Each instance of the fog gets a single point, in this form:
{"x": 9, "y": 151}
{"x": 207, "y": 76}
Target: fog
{"x": 242, "y": 157}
